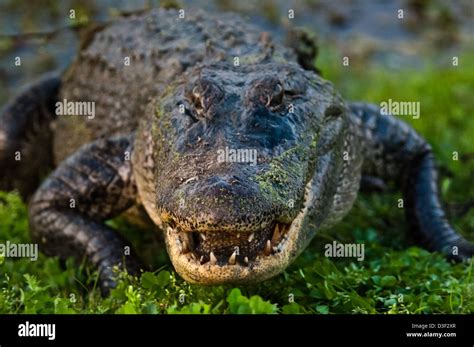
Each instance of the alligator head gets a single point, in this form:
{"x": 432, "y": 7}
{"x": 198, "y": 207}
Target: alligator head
{"x": 233, "y": 162}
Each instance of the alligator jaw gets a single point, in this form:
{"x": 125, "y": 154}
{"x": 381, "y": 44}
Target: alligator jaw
{"x": 256, "y": 257}
{"x": 242, "y": 249}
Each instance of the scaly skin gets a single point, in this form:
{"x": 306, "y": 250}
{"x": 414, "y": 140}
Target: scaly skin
{"x": 26, "y": 117}
{"x": 160, "y": 124}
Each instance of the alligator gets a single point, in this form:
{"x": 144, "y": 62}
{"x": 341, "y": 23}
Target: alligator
{"x": 171, "y": 93}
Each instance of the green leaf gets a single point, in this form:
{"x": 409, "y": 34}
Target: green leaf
{"x": 388, "y": 281}
{"x": 323, "y": 309}
{"x": 61, "y": 306}
{"x": 258, "y": 305}
{"x": 233, "y": 299}
{"x": 163, "y": 278}
{"x": 241, "y": 304}
{"x": 127, "y": 308}
{"x": 292, "y": 308}
{"x": 148, "y": 280}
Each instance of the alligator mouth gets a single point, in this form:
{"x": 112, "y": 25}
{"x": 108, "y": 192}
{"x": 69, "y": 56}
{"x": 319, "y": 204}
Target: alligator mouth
{"x": 230, "y": 248}
{"x": 215, "y": 257}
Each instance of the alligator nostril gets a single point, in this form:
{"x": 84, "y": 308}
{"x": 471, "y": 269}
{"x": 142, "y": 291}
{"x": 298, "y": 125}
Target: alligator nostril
{"x": 268, "y": 92}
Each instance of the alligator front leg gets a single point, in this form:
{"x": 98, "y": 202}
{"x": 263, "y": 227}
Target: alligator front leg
{"x": 68, "y": 211}
{"x": 393, "y": 150}
{"x": 25, "y": 136}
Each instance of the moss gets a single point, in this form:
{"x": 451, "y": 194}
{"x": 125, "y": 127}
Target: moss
{"x": 276, "y": 181}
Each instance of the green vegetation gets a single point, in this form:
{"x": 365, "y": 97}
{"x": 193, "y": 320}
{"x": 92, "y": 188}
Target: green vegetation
{"x": 395, "y": 276}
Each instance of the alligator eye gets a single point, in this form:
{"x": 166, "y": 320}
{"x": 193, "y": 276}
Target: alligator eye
{"x": 196, "y": 98}
{"x": 276, "y": 97}
{"x": 267, "y": 92}
{"x": 204, "y": 95}
{"x": 195, "y": 93}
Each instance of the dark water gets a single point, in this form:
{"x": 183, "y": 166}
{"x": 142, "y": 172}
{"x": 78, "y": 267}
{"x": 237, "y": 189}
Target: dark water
{"x": 369, "y": 28}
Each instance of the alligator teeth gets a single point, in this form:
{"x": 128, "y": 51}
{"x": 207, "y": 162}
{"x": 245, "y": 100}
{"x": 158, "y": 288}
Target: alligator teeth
{"x": 180, "y": 245}
{"x": 185, "y": 247}
{"x": 276, "y": 234}
{"x": 250, "y": 237}
{"x": 246, "y": 260}
{"x": 268, "y": 248}
{"x": 201, "y": 259}
{"x": 232, "y": 258}
{"x": 203, "y": 236}
{"x": 213, "y": 258}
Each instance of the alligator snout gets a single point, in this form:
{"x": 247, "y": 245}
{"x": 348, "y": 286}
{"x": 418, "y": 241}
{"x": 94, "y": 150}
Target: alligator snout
{"x": 222, "y": 203}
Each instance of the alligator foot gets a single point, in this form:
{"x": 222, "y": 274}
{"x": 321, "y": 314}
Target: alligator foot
{"x": 68, "y": 211}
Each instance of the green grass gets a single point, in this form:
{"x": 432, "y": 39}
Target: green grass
{"x": 395, "y": 277}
